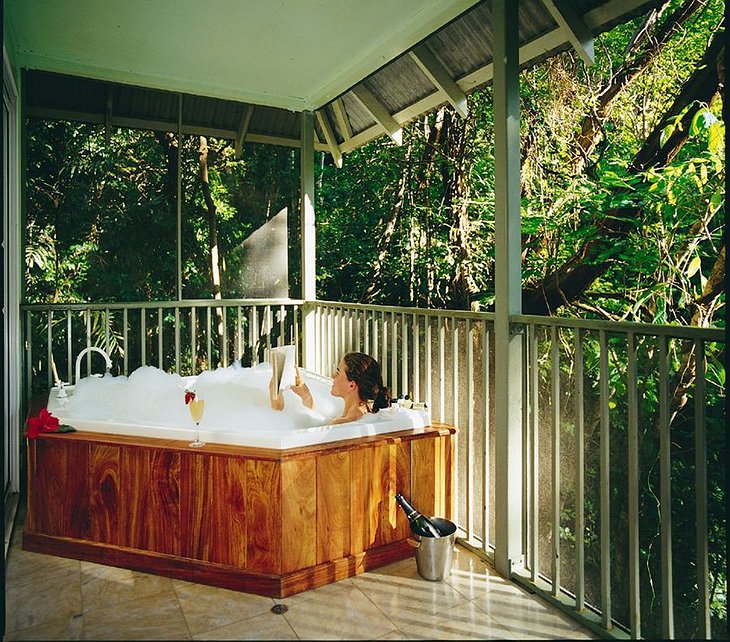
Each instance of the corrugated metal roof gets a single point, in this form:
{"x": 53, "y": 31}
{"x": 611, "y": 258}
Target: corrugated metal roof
{"x": 463, "y": 48}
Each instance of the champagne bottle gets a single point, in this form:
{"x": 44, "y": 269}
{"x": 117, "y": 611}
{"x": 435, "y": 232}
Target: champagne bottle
{"x": 420, "y": 524}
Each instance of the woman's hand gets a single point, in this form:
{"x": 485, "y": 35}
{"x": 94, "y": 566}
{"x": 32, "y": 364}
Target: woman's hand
{"x": 277, "y": 400}
{"x": 302, "y": 390}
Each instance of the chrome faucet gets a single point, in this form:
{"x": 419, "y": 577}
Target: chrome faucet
{"x": 91, "y": 349}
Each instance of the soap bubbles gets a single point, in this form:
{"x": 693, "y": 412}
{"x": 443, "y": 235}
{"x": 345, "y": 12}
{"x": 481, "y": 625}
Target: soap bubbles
{"x": 236, "y": 398}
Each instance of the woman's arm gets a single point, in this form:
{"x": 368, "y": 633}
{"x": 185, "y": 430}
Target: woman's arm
{"x": 303, "y": 391}
{"x": 299, "y": 387}
{"x": 277, "y": 400}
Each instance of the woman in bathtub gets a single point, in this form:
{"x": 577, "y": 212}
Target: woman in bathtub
{"x": 357, "y": 380}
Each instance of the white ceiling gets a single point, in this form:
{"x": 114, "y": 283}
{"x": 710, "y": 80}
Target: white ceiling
{"x": 293, "y": 54}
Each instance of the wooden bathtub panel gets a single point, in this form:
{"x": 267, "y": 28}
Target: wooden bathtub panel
{"x": 263, "y": 517}
{"x": 60, "y": 489}
{"x": 228, "y": 511}
{"x": 446, "y": 489}
{"x": 213, "y": 503}
{"x": 394, "y": 524}
{"x": 298, "y": 514}
{"x": 104, "y": 493}
{"x": 333, "y": 506}
{"x": 150, "y": 500}
{"x": 425, "y": 477}
{"x": 383, "y": 483}
{"x": 196, "y": 500}
{"x": 364, "y": 514}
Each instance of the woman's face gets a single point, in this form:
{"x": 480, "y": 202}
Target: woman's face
{"x": 341, "y": 385}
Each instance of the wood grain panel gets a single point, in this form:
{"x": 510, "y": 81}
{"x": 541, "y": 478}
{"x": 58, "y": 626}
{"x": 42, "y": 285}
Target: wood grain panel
{"x": 448, "y": 477}
{"x": 263, "y": 518}
{"x": 134, "y": 498}
{"x": 165, "y": 501}
{"x": 196, "y": 500}
{"x": 298, "y": 514}
{"x": 382, "y": 486}
{"x": 362, "y": 527}
{"x": 333, "y": 506}
{"x": 60, "y": 492}
{"x": 104, "y": 493}
{"x": 394, "y": 524}
{"x": 228, "y": 511}
{"x": 424, "y": 479}
{"x": 213, "y": 508}
{"x": 150, "y": 500}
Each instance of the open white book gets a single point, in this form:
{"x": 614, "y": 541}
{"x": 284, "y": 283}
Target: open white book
{"x": 283, "y": 364}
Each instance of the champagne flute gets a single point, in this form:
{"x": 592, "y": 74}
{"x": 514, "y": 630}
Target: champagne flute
{"x": 196, "y": 406}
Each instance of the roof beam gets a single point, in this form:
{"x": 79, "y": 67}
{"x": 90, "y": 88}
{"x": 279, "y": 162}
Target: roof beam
{"x": 440, "y": 77}
{"x": 164, "y": 125}
{"x": 574, "y": 26}
{"x": 552, "y": 40}
{"x": 379, "y": 112}
{"x": 329, "y": 135}
{"x": 342, "y": 119}
{"x": 243, "y": 129}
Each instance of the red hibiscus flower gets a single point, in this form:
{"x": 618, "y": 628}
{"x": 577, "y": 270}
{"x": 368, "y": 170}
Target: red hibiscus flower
{"x": 44, "y": 422}
{"x": 34, "y": 428}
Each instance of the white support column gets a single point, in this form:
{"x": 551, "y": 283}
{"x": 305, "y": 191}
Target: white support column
{"x": 309, "y": 265}
{"x": 508, "y": 290}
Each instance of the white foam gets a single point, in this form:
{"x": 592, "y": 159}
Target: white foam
{"x": 151, "y": 402}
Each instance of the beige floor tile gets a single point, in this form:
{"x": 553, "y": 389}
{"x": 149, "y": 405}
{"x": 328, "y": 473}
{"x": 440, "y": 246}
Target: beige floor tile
{"x": 105, "y": 586}
{"x": 321, "y": 592}
{"x": 399, "y": 588}
{"x": 393, "y": 635}
{"x": 344, "y": 615}
{"x": 63, "y": 628}
{"x": 484, "y": 584}
{"x": 40, "y": 589}
{"x": 462, "y": 622}
{"x": 156, "y": 617}
{"x": 267, "y": 626}
{"x": 531, "y": 618}
{"x": 206, "y": 607}
{"x": 26, "y": 567}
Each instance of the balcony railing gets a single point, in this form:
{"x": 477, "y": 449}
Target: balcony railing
{"x": 623, "y": 430}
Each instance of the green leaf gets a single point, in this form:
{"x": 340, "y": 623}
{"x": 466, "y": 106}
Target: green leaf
{"x": 715, "y": 136}
{"x": 703, "y": 119}
{"x": 65, "y": 428}
{"x": 693, "y": 266}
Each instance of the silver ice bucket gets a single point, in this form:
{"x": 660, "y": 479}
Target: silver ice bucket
{"x": 434, "y": 554}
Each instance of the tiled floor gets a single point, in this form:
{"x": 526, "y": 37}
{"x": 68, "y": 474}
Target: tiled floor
{"x": 52, "y": 598}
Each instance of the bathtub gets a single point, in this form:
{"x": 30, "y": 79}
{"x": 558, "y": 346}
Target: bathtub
{"x": 126, "y": 406}
{"x": 269, "y": 510}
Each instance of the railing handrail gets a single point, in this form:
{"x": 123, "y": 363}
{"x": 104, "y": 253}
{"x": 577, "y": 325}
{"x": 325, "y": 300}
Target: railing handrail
{"x": 183, "y": 303}
{"x": 677, "y": 331}
{"x": 432, "y": 312}
{"x": 716, "y": 335}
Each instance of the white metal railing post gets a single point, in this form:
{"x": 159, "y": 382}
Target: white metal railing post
{"x": 308, "y": 236}
{"x": 665, "y": 492}
{"x": 508, "y": 289}
{"x": 703, "y": 569}
{"x": 633, "y": 489}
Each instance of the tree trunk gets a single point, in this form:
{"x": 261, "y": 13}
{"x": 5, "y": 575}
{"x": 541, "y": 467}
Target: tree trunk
{"x": 215, "y": 273}
{"x": 592, "y": 125}
{"x": 389, "y": 229}
{"x": 704, "y": 309}
{"x": 576, "y": 275}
